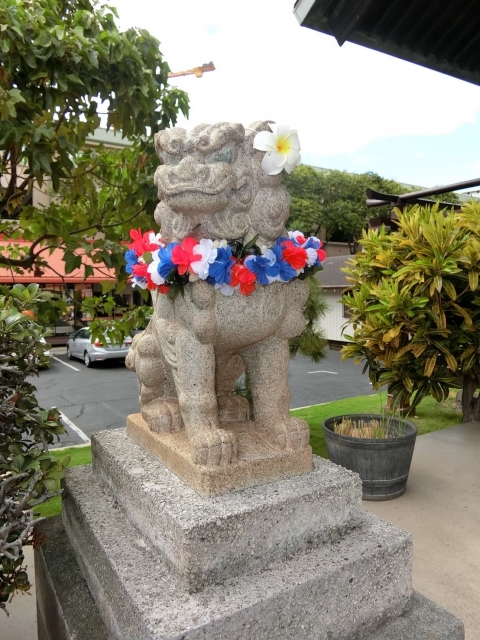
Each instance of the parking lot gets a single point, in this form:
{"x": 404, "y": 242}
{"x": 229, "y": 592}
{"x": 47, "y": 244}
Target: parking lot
{"x": 102, "y": 396}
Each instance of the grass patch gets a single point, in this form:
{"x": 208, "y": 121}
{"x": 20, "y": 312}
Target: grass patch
{"x": 429, "y": 415}
{"x": 79, "y": 455}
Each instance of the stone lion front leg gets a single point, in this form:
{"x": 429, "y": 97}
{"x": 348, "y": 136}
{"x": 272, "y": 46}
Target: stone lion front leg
{"x": 267, "y": 365}
{"x": 209, "y": 444}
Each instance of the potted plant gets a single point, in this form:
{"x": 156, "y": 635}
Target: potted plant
{"x": 378, "y": 447}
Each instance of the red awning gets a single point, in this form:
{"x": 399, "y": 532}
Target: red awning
{"x": 55, "y": 272}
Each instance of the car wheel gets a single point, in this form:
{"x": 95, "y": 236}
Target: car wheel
{"x": 87, "y": 360}
{"x": 69, "y": 353}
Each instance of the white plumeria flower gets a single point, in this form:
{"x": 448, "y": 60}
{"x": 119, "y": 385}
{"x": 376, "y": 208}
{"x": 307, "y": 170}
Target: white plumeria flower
{"x": 153, "y": 269}
{"x": 207, "y": 254}
{"x": 282, "y": 147}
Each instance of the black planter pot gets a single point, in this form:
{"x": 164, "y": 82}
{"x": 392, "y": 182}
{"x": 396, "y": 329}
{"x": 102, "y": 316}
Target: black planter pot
{"x": 382, "y": 463}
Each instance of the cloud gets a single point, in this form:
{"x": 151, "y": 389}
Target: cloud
{"x": 268, "y": 67}
{"x": 212, "y": 28}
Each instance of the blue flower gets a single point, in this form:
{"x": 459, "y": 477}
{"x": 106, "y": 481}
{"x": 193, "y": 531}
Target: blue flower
{"x": 282, "y": 268}
{"x": 312, "y": 243}
{"x": 131, "y": 259}
{"x": 219, "y": 271}
{"x": 165, "y": 266}
{"x": 262, "y": 267}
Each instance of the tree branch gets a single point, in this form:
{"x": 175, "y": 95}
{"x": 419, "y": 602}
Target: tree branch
{"x": 27, "y": 261}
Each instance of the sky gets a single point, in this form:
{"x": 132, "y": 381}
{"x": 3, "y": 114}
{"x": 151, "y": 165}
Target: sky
{"x": 354, "y": 109}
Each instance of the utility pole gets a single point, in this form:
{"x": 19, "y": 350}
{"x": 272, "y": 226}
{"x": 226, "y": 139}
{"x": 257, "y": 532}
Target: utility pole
{"x": 196, "y": 71}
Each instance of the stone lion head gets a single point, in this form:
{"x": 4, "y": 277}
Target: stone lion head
{"x": 211, "y": 185}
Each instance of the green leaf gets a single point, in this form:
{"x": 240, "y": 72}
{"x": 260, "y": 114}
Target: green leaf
{"x": 88, "y": 271}
{"x": 473, "y": 280}
{"x": 72, "y": 262}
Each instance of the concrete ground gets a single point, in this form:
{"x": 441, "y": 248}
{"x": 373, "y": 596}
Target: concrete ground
{"x": 441, "y": 508}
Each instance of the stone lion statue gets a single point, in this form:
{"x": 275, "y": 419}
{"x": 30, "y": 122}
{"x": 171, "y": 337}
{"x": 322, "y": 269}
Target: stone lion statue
{"x": 211, "y": 185}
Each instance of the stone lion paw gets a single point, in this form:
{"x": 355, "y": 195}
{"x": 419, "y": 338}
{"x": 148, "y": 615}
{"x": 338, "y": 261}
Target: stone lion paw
{"x": 289, "y": 433}
{"x": 163, "y": 415}
{"x": 233, "y": 408}
{"x": 298, "y": 433}
{"x": 213, "y": 447}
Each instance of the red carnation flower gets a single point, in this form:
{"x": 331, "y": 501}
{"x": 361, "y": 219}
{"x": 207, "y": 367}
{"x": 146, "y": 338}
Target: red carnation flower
{"x": 321, "y": 255}
{"x": 183, "y": 256}
{"x": 141, "y": 242}
{"x": 295, "y": 256}
{"x": 242, "y": 276}
{"x": 140, "y": 270}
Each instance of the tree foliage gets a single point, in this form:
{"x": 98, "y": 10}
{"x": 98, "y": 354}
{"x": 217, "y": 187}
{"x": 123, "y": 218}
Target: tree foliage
{"x": 334, "y": 200}
{"x": 29, "y": 474}
{"x": 311, "y": 342}
{"x": 64, "y": 63}
{"x": 415, "y": 306}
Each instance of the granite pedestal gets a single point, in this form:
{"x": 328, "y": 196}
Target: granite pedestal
{"x": 292, "y": 559}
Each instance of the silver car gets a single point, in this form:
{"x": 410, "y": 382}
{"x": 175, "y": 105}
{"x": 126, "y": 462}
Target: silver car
{"x": 80, "y": 346}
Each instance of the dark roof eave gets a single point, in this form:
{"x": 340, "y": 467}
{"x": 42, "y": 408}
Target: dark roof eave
{"x": 311, "y": 14}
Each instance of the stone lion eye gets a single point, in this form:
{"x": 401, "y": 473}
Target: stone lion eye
{"x": 223, "y": 156}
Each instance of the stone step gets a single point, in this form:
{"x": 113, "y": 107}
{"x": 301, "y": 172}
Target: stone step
{"x": 337, "y": 591}
{"x": 205, "y": 540}
{"x": 66, "y": 610}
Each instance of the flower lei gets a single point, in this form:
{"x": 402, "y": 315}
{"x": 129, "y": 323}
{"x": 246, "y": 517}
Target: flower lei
{"x": 227, "y": 265}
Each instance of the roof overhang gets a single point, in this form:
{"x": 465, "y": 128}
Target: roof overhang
{"x": 442, "y": 35}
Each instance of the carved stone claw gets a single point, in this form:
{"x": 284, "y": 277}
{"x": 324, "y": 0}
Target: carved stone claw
{"x": 213, "y": 447}
{"x": 290, "y": 433}
{"x": 162, "y": 415}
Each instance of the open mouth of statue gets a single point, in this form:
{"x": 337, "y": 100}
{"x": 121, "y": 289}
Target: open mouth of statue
{"x": 180, "y": 188}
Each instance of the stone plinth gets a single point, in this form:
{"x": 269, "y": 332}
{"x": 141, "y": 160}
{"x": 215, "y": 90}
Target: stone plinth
{"x": 332, "y": 590}
{"x": 206, "y": 540}
{"x": 293, "y": 559}
{"x": 259, "y": 461}
{"x": 68, "y": 612}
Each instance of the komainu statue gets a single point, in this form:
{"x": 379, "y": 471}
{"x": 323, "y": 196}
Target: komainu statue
{"x": 238, "y": 275}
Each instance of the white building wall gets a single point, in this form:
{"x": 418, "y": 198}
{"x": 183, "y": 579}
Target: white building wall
{"x": 333, "y": 321}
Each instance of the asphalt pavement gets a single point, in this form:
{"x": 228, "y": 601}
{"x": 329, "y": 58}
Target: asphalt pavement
{"x": 102, "y": 396}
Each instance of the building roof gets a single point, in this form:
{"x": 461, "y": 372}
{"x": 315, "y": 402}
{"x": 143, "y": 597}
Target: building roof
{"x": 331, "y": 276}
{"x": 55, "y": 272}
{"x": 443, "y": 35}
{"x": 108, "y": 138}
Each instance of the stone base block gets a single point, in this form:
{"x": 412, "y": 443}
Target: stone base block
{"x": 65, "y": 608}
{"x": 67, "y": 611}
{"x": 206, "y": 540}
{"x": 337, "y": 591}
{"x": 259, "y": 461}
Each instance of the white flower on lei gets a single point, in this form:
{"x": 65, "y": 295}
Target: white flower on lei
{"x": 207, "y": 254}
{"x": 226, "y": 289}
{"x": 153, "y": 269}
{"x": 282, "y": 148}
{"x": 156, "y": 238}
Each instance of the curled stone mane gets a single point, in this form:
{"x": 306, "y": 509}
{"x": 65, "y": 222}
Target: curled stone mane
{"x": 211, "y": 185}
